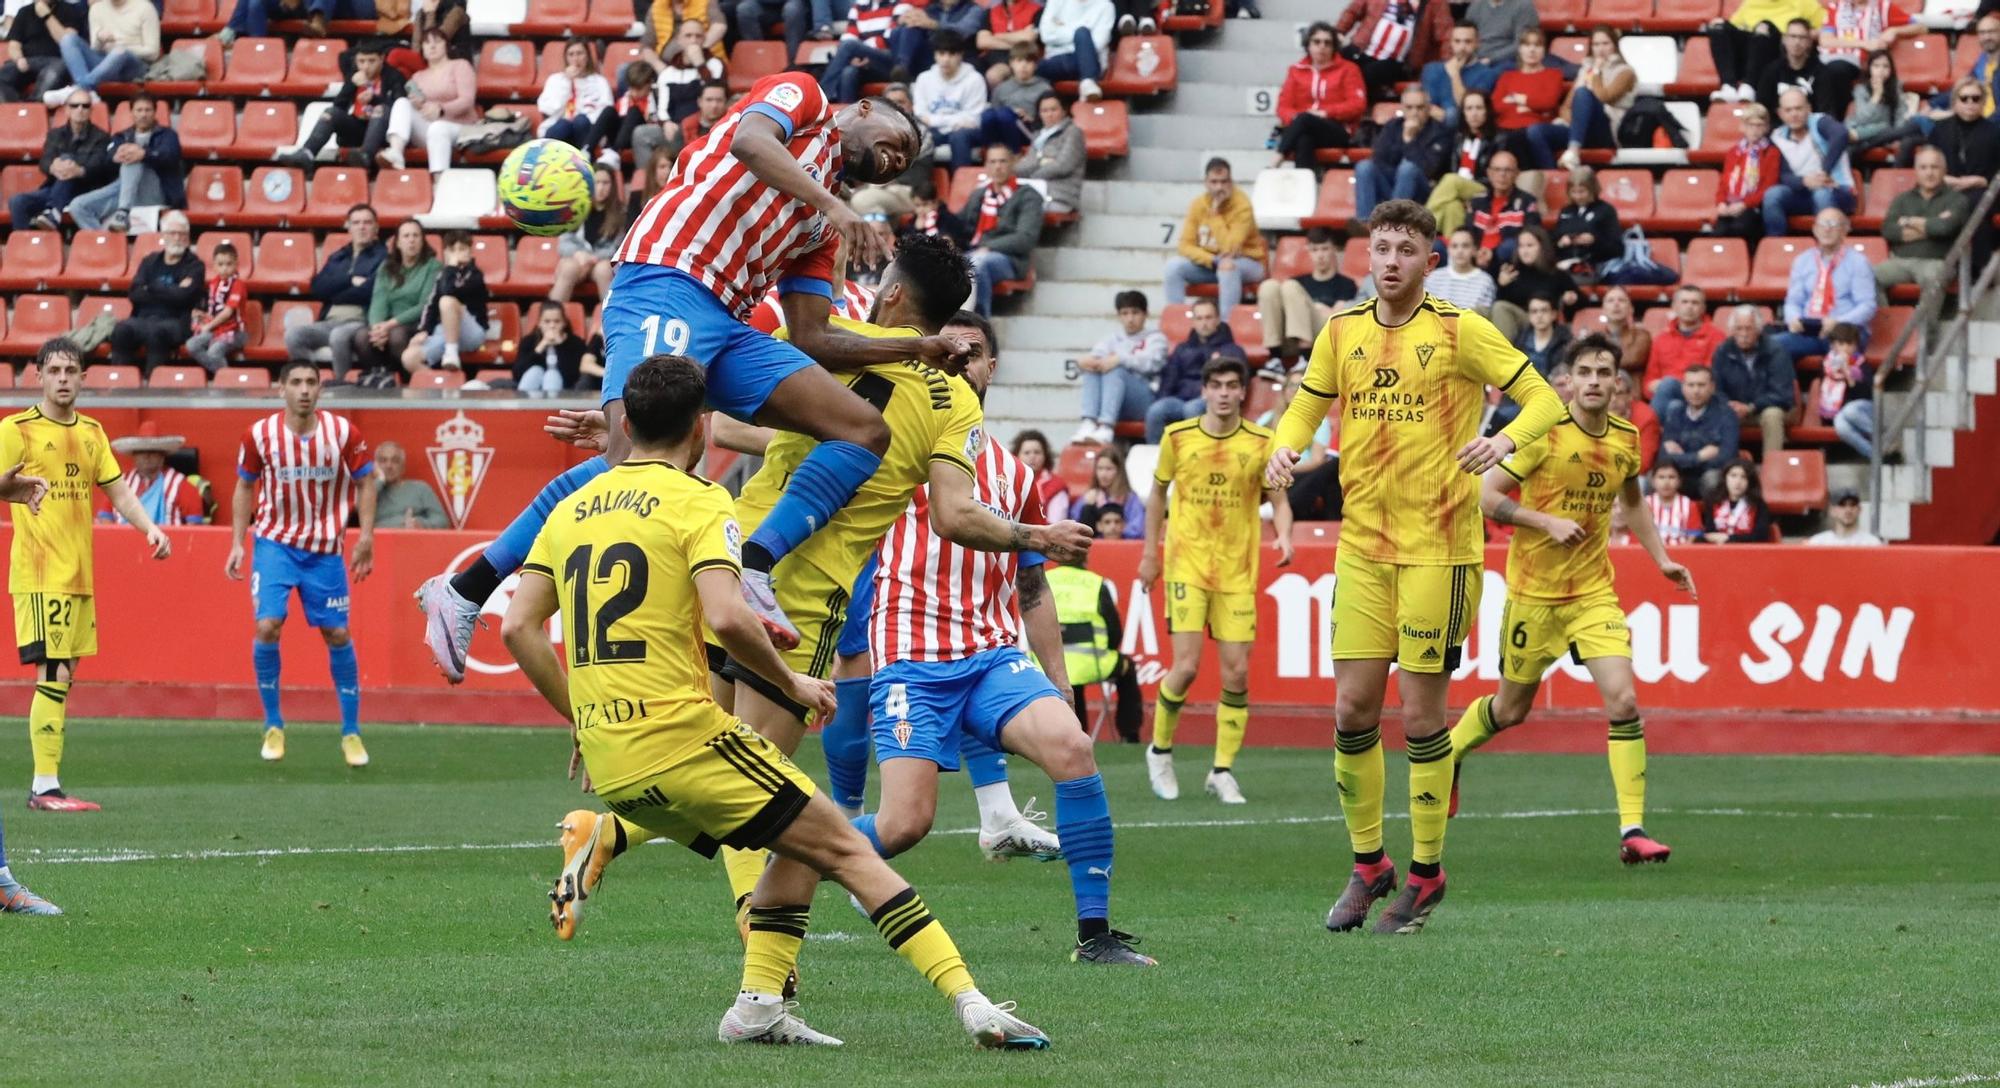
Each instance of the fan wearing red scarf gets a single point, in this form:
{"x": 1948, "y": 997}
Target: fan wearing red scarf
{"x": 1003, "y": 219}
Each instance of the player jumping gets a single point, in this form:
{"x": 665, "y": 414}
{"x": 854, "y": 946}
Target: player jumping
{"x": 751, "y": 205}
{"x": 55, "y": 607}
{"x": 1215, "y": 465}
{"x": 1411, "y": 372}
{"x": 1560, "y": 596}
{"x": 638, "y": 560}
{"x": 298, "y": 468}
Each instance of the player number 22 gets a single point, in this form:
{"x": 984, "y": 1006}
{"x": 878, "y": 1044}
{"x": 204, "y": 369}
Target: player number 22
{"x": 670, "y": 333}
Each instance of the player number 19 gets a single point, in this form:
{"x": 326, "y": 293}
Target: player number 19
{"x": 668, "y": 332}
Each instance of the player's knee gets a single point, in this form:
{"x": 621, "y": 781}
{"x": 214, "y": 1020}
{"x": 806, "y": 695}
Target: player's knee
{"x": 872, "y": 433}
{"x": 268, "y": 630}
{"x": 901, "y": 828}
{"x": 1507, "y": 715}
{"x": 1236, "y": 676}
{"x": 1621, "y": 706}
{"x": 336, "y": 637}
{"x": 1071, "y": 756}
{"x": 1354, "y": 715}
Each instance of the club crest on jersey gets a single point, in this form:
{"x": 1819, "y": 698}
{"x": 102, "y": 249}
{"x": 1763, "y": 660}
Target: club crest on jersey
{"x": 459, "y": 462}
{"x": 1424, "y": 352}
{"x": 785, "y": 96}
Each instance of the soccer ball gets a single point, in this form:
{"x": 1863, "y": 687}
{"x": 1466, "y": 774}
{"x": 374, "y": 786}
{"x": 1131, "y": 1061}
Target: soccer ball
{"x": 545, "y": 187}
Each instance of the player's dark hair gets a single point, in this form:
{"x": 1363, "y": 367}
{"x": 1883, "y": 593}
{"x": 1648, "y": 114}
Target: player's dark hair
{"x": 1225, "y": 364}
{"x": 290, "y": 365}
{"x": 663, "y": 397}
{"x": 947, "y": 40}
{"x": 1319, "y": 236}
{"x": 61, "y": 347}
{"x": 970, "y": 320}
{"x": 1404, "y": 215}
{"x": 1130, "y": 300}
{"x": 1591, "y": 344}
{"x": 922, "y": 131}
{"x": 935, "y": 273}
{"x": 1844, "y": 333}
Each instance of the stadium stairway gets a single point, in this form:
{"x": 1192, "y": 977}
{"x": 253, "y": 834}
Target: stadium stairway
{"x": 1937, "y": 496}
{"x": 1132, "y": 212}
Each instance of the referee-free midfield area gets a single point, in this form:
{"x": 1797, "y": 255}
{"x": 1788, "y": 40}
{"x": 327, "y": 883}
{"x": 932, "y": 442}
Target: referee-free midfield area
{"x": 1824, "y": 921}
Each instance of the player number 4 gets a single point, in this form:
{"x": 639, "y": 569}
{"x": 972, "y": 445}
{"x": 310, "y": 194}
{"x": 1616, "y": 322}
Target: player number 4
{"x": 897, "y": 704}
{"x": 670, "y": 333}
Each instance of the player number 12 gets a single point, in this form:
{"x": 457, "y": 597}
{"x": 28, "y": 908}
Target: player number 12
{"x": 670, "y": 330}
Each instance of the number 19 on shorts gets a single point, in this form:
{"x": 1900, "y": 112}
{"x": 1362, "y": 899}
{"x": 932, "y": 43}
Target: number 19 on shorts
{"x": 668, "y": 334}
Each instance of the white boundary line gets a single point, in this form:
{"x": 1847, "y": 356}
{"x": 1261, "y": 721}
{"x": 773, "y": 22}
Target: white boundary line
{"x": 83, "y": 856}
{"x": 1935, "y": 1082}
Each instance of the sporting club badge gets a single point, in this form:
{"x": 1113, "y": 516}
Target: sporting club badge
{"x": 459, "y": 462}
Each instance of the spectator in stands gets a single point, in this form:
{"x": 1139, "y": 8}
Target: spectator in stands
{"x": 1076, "y": 43}
{"x": 1220, "y": 242}
{"x": 1747, "y": 42}
{"x": 1750, "y": 170}
{"x": 708, "y": 111}
{"x": 1814, "y": 174}
{"x": 914, "y": 41}
{"x": 1010, "y": 26}
{"x": 1677, "y": 515}
{"x": 1323, "y": 97}
{"x": 148, "y": 160}
{"x": 1296, "y": 309}
{"x": 1315, "y": 493}
{"x": 252, "y": 18}
{"x": 1180, "y": 379}
{"x": 1626, "y": 403}
{"x": 551, "y": 357}
{"x": 1110, "y": 490}
{"x": 951, "y": 101}
{"x": 574, "y": 96}
{"x": 1882, "y": 113}
{"x": 34, "y": 63}
{"x": 1697, "y": 435}
{"x": 1831, "y": 282}
{"x": 1021, "y": 91}
{"x": 1497, "y": 217}
{"x": 1735, "y": 512}
{"x": 863, "y": 53}
{"x": 1500, "y": 24}
{"x": 1755, "y": 377}
{"x": 1117, "y": 375}
{"x": 681, "y": 74}
{"x": 124, "y": 39}
{"x": 344, "y": 286}
{"x": 1003, "y": 219}
{"x": 401, "y": 293}
{"x": 440, "y": 100}
{"x": 168, "y": 288}
{"x": 1056, "y": 156}
{"x": 1541, "y": 338}
{"x": 1391, "y": 40}
{"x": 1690, "y": 339}
{"x": 1032, "y": 447}
{"x": 1843, "y": 524}
{"x": 449, "y": 17}
{"x": 1846, "y": 393}
{"x": 1921, "y": 225}
{"x": 1587, "y": 230}
{"x": 358, "y": 119}
{"x": 1597, "y": 103}
{"x": 1528, "y": 95}
{"x": 76, "y": 159}
{"x": 1985, "y": 68}
{"x": 1472, "y": 151}
{"x": 1969, "y": 138}
{"x": 1852, "y": 30}
{"x": 1460, "y": 281}
{"x": 638, "y": 120}
{"x": 1447, "y": 81}
{"x": 652, "y": 178}
{"x": 1635, "y": 344}
{"x": 755, "y": 17}
{"x": 1798, "y": 66}
{"x": 400, "y": 502}
{"x": 1531, "y": 273}
{"x": 454, "y": 316}
{"x": 218, "y": 329}
{"x": 1408, "y": 154}
{"x": 661, "y": 23}
{"x": 588, "y": 251}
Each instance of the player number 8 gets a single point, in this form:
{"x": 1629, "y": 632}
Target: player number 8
{"x": 668, "y": 332}
{"x": 897, "y": 704}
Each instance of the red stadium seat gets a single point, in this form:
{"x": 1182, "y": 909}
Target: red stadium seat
{"x": 1965, "y": 56}
{"x": 1077, "y": 465}
{"x": 1771, "y": 268}
{"x": 1105, "y": 126}
{"x": 535, "y": 262}
{"x": 1872, "y": 247}
{"x": 204, "y": 247}
{"x": 1883, "y": 185}
{"x": 334, "y": 189}
{"x": 24, "y": 126}
{"x": 428, "y": 378}
{"x": 1246, "y": 324}
{"x": 1719, "y": 265}
{"x": 96, "y": 306}
{"x": 503, "y": 330}
{"x": 1697, "y": 74}
{"x": 315, "y": 66}
{"x": 489, "y": 252}
{"x": 507, "y": 70}
{"x": 402, "y": 194}
{"x": 1686, "y": 200}
{"x": 1175, "y": 322}
{"x": 1684, "y": 15}
{"x": 1794, "y": 481}
{"x": 207, "y": 128}
{"x": 616, "y": 56}
{"x": 214, "y": 194}
{"x": 138, "y": 249}
{"x": 112, "y": 377}
{"x": 964, "y": 181}
{"x": 242, "y": 378}
{"x": 550, "y": 61}
{"x": 1719, "y": 132}
{"x": 96, "y": 262}
{"x": 1666, "y": 254}
{"x": 750, "y": 62}
{"x": 1923, "y": 63}
{"x": 32, "y": 260}
{"x": 276, "y": 195}
{"x": 1336, "y": 200}
{"x": 183, "y": 17}
{"x": 1619, "y": 13}
{"x": 1562, "y": 14}
{"x": 252, "y": 316}
{"x": 177, "y": 377}
{"x": 270, "y": 345}
{"x": 1630, "y": 192}
{"x": 608, "y": 18}
{"x": 264, "y": 128}
{"x": 1882, "y": 332}
{"x": 285, "y": 263}
{"x": 1289, "y": 260}
{"x": 256, "y": 66}
{"x": 1354, "y": 259}
{"x": 1123, "y": 77}
{"x": 36, "y": 319}
{"x": 555, "y": 18}
{"x": 1573, "y": 48}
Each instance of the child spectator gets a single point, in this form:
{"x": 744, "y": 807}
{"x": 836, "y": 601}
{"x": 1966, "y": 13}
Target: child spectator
{"x": 218, "y": 331}
{"x": 1749, "y": 170}
{"x": 451, "y": 321}
{"x": 1010, "y": 33}
{"x": 1111, "y": 493}
{"x": 1678, "y": 516}
{"x": 634, "y": 122}
{"x": 1117, "y": 375}
{"x": 951, "y": 101}
{"x": 1543, "y": 339}
{"x": 1032, "y": 447}
{"x": 1531, "y": 273}
{"x": 1460, "y": 281}
{"x": 551, "y": 360}
{"x": 1846, "y": 399}
{"x": 1735, "y": 512}
{"x": 1020, "y": 91}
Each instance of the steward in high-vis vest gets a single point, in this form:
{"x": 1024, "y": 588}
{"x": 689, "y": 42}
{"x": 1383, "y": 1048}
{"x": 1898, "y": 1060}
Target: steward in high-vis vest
{"x": 1092, "y": 631}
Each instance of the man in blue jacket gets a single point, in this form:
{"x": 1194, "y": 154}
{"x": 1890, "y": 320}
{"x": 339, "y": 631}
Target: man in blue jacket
{"x": 148, "y": 158}
{"x": 344, "y": 286}
{"x": 1408, "y": 155}
{"x": 1755, "y": 377}
{"x": 1813, "y": 169}
{"x": 1697, "y": 435}
{"x": 1179, "y": 395}
{"x": 1831, "y": 283}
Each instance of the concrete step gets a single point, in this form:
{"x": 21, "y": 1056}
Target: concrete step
{"x": 1052, "y": 406}
{"x": 1185, "y": 164}
{"x": 1035, "y": 366}
{"x": 1205, "y": 129}
{"x": 1068, "y": 335}
{"x": 1110, "y": 229}
{"x": 1082, "y": 298}
{"x": 1129, "y": 197}
{"x": 1102, "y": 264}
{"x": 1244, "y": 68}
{"x": 1296, "y": 11}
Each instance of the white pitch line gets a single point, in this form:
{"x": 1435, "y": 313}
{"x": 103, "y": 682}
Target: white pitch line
{"x": 81, "y": 856}
{"x": 1935, "y": 1082}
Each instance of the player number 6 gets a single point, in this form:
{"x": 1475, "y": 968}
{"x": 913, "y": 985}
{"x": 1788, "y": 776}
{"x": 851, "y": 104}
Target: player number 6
{"x": 670, "y": 333}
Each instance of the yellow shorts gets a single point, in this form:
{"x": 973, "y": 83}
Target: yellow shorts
{"x": 1417, "y": 615}
{"x": 1228, "y": 617}
{"x": 1537, "y": 634}
{"x": 738, "y": 790}
{"x": 54, "y": 626}
{"x": 817, "y": 606}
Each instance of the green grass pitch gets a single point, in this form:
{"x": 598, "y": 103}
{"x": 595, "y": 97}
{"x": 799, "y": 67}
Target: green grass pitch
{"x": 1824, "y": 921}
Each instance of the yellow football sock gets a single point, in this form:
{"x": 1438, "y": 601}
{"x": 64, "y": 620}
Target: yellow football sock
{"x": 1357, "y": 771}
{"x": 1628, "y": 771}
{"x": 625, "y": 834}
{"x": 1166, "y": 717}
{"x": 1474, "y": 728}
{"x": 745, "y": 868}
{"x": 45, "y": 726}
{"x": 773, "y": 948}
{"x": 1430, "y": 791}
{"x": 907, "y": 925}
{"x": 1232, "y": 720}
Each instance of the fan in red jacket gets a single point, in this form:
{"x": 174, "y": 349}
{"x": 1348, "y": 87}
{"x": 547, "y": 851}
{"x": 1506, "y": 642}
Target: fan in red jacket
{"x": 1748, "y": 171}
{"x": 1323, "y": 94}
{"x": 1393, "y": 39}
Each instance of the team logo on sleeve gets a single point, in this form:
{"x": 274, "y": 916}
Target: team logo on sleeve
{"x": 786, "y": 96}
{"x": 732, "y": 537}
{"x": 975, "y": 442}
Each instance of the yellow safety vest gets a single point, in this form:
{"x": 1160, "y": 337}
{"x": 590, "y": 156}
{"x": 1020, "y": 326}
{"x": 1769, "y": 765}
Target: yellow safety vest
{"x": 1087, "y": 650}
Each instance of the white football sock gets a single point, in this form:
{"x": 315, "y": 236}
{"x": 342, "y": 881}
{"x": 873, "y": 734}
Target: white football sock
{"x": 44, "y": 783}
{"x": 996, "y": 806}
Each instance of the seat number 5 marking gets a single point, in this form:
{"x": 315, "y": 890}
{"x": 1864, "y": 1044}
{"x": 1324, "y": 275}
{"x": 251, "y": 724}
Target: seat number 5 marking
{"x": 669, "y": 334}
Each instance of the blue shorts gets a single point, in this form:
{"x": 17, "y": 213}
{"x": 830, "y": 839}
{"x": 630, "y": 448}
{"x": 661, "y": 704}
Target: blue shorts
{"x": 653, "y": 308}
{"x": 860, "y": 602}
{"x": 320, "y": 577}
{"x": 918, "y": 707}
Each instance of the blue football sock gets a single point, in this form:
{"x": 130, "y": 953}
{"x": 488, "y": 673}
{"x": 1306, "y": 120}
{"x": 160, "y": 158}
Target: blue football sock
{"x": 511, "y": 550}
{"x": 845, "y": 739}
{"x": 1083, "y": 823}
{"x": 984, "y": 765}
{"x": 822, "y": 484}
{"x": 866, "y": 825}
{"x": 265, "y": 656}
{"x": 346, "y": 686}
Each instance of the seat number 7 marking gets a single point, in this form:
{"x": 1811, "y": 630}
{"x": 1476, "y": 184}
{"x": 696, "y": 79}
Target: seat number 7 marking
{"x": 665, "y": 333}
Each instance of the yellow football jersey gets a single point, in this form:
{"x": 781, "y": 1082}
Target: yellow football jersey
{"x": 623, "y": 552}
{"x": 932, "y": 416}
{"x": 52, "y": 551}
{"x": 1412, "y": 397}
{"x": 1213, "y": 530}
{"x": 1572, "y": 474}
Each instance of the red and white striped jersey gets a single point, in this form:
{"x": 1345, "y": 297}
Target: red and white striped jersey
{"x": 940, "y": 601}
{"x": 307, "y": 482}
{"x": 715, "y": 221}
{"x": 853, "y": 303}
{"x": 1679, "y": 520}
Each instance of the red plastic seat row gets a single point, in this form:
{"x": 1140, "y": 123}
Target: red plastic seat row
{"x": 512, "y": 69}
{"x": 279, "y": 196}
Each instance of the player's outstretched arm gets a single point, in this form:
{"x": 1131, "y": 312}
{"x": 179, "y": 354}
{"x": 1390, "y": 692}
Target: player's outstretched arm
{"x": 733, "y": 434}
{"x": 27, "y": 490}
{"x": 1496, "y": 503}
{"x": 1156, "y": 532}
{"x": 239, "y": 525}
{"x": 525, "y": 630}
{"x": 759, "y": 144}
{"x": 1317, "y": 391}
{"x": 742, "y": 634}
{"x": 1038, "y": 616}
{"x": 128, "y": 507}
{"x": 1281, "y": 523}
{"x": 834, "y": 348}
{"x": 957, "y": 517}
{"x": 1640, "y": 519}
